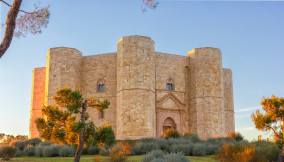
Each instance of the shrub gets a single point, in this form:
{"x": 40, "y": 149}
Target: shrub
{"x": 7, "y": 152}
{"x": 186, "y": 149}
{"x": 105, "y": 135}
{"x": 34, "y": 141}
{"x": 238, "y": 152}
{"x": 171, "y": 133}
{"x": 145, "y": 146}
{"x": 236, "y": 136}
{"x": 20, "y": 144}
{"x": 192, "y": 138}
{"x": 93, "y": 150}
{"x": 29, "y": 151}
{"x": 119, "y": 152}
{"x": 160, "y": 156}
{"x": 104, "y": 151}
{"x": 175, "y": 157}
{"x": 66, "y": 151}
{"x": 39, "y": 150}
{"x": 155, "y": 154}
{"x": 50, "y": 151}
{"x": 265, "y": 151}
{"x": 199, "y": 149}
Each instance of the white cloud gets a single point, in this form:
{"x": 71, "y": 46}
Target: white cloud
{"x": 247, "y": 109}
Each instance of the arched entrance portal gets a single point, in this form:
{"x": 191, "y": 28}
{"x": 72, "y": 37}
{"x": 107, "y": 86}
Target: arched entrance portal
{"x": 169, "y": 123}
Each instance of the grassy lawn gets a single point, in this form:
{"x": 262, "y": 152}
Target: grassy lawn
{"x": 91, "y": 159}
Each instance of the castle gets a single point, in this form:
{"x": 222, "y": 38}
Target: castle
{"x": 149, "y": 91}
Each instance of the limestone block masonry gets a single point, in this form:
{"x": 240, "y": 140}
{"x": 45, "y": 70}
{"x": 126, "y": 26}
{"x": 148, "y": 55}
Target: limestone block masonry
{"x": 149, "y": 91}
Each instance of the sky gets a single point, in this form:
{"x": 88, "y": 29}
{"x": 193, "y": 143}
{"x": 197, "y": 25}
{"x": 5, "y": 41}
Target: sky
{"x": 249, "y": 34}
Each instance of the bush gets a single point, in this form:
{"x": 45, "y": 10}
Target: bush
{"x": 175, "y": 157}
{"x": 104, "y": 151}
{"x": 29, "y": 151}
{"x": 160, "y": 156}
{"x": 20, "y": 145}
{"x": 155, "y": 154}
{"x": 238, "y": 152}
{"x": 66, "y": 151}
{"x": 119, "y": 152}
{"x": 192, "y": 138}
{"x": 265, "y": 151}
{"x": 199, "y": 149}
{"x": 50, "y": 151}
{"x": 34, "y": 141}
{"x": 93, "y": 150}
{"x": 145, "y": 146}
{"x": 171, "y": 133}
{"x": 39, "y": 150}
{"x": 105, "y": 135}
{"x": 7, "y": 152}
{"x": 236, "y": 136}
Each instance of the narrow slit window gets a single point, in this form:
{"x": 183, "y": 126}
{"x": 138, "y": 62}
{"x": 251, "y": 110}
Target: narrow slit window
{"x": 170, "y": 85}
{"x": 101, "y": 86}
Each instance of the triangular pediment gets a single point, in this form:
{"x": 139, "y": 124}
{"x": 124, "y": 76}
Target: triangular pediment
{"x": 170, "y": 101}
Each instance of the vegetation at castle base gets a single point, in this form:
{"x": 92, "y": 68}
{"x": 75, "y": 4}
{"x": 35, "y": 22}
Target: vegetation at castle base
{"x": 271, "y": 118}
{"x": 101, "y": 158}
{"x": 59, "y": 122}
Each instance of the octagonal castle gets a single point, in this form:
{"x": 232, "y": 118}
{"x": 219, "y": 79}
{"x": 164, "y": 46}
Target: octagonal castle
{"x": 149, "y": 91}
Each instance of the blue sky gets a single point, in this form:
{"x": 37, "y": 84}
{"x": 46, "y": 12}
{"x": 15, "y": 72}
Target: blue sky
{"x": 250, "y": 35}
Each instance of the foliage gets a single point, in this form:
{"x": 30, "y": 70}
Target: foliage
{"x": 93, "y": 150}
{"x": 159, "y": 155}
{"x": 155, "y": 154}
{"x": 66, "y": 151}
{"x": 271, "y": 118}
{"x": 9, "y": 139}
{"x": 59, "y": 125}
{"x": 199, "y": 149}
{"x": 105, "y": 135}
{"x": 119, "y": 152}
{"x": 238, "y": 152}
{"x": 265, "y": 151}
{"x": 7, "y": 152}
{"x": 20, "y": 22}
{"x": 171, "y": 133}
{"x": 187, "y": 145}
{"x": 236, "y": 136}
{"x": 175, "y": 157}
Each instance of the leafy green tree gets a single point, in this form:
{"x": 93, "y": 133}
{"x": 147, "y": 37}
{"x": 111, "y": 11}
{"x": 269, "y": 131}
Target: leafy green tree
{"x": 271, "y": 118}
{"x": 67, "y": 121}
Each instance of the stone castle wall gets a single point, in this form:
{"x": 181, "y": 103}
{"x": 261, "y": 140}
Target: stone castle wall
{"x": 135, "y": 80}
{"x": 38, "y": 94}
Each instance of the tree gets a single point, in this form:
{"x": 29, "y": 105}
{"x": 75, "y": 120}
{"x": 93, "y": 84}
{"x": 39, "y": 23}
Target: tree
{"x": 271, "y": 118}
{"x": 20, "y": 23}
{"x": 67, "y": 121}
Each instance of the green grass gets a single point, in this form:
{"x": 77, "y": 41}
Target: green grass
{"x": 90, "y": 159}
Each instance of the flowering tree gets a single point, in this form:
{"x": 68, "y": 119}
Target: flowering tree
{"x": 20, "y": 23}
{"x": 271, "y": 118}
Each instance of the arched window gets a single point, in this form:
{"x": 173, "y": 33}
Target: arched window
{"x": 101, "y": 86}
{"x": 170, "y": 85}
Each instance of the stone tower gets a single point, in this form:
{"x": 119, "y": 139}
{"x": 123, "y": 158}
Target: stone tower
{"x": 62, "y": 70}
{"x": 206, "y": 92}
{"x": 136, "y": 116}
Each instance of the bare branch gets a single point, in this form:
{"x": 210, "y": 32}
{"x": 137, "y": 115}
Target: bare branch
{"x": 6, "y": 3}
{"x": 10, "y": 26}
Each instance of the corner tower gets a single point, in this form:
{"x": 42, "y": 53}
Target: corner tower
{"x": 136, "y": 116}
{"x": 206, "y": 92}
